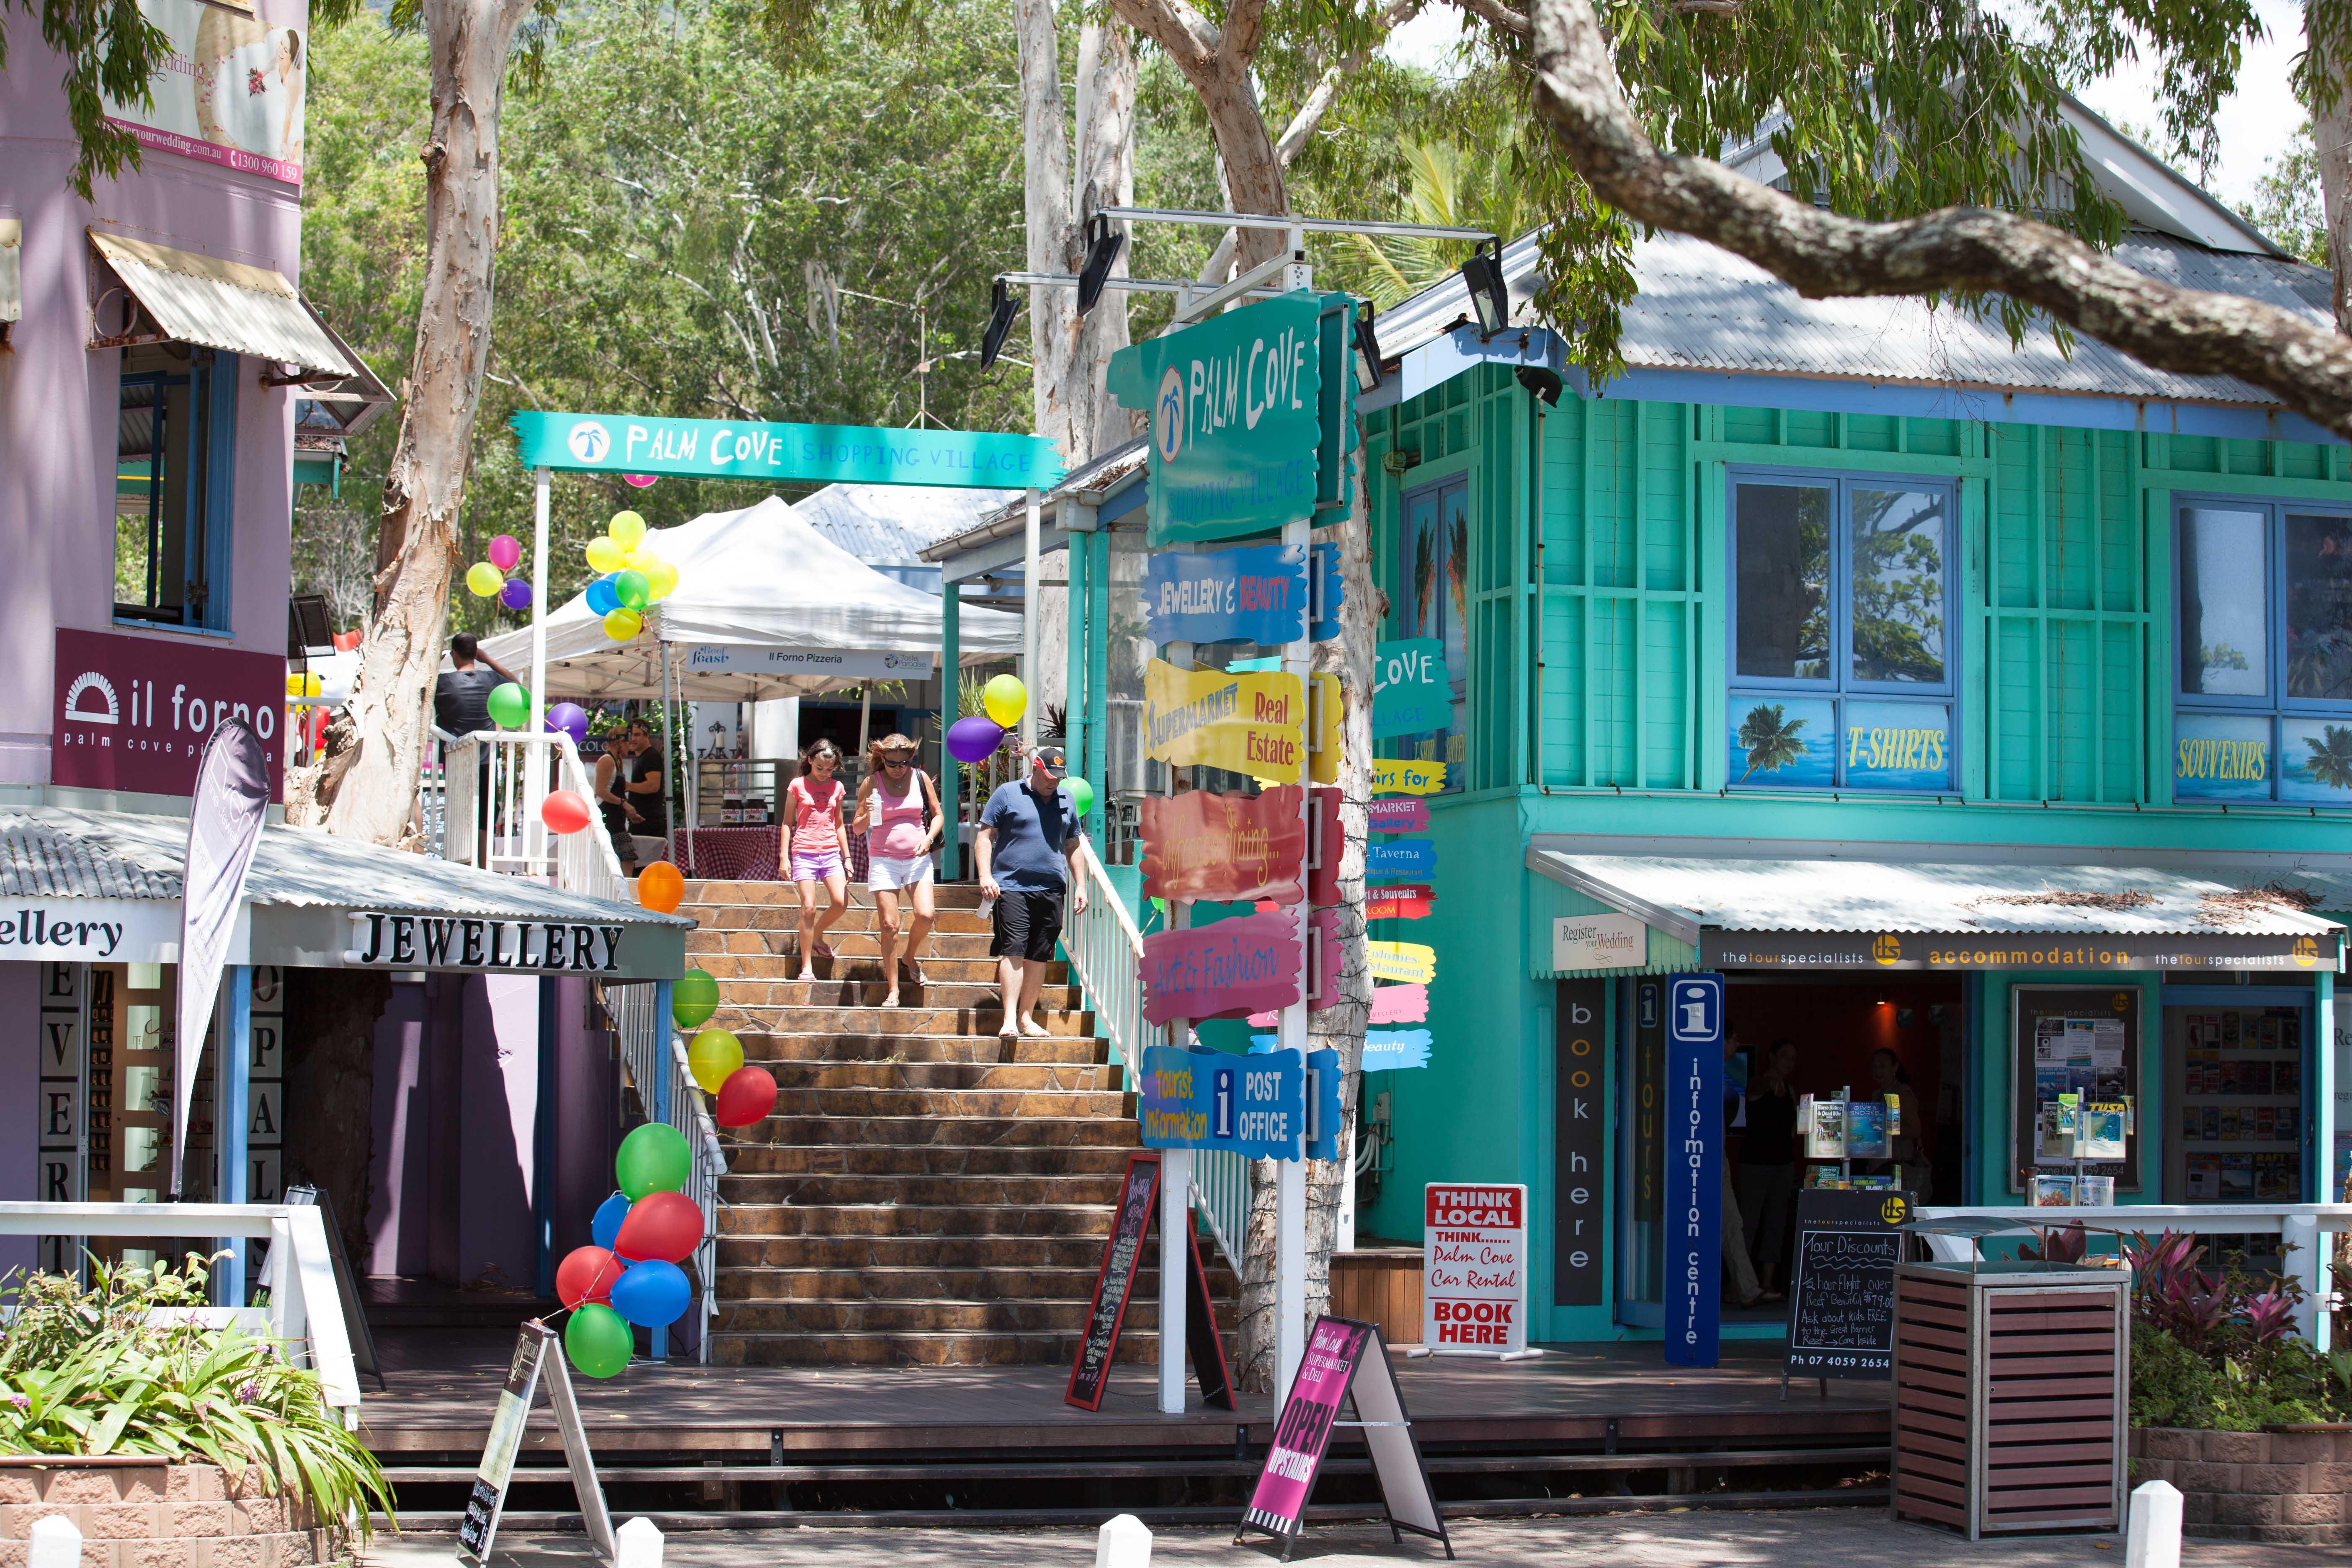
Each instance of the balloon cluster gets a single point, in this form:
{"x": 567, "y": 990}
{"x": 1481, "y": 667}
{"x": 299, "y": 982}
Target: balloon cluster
{"x": 745, "y": 1095}
{"x": 488, "y": 579}
{"x": 1002, "y": 701}
{"x": 629, "y": 576}
{"x": 630, "y": 1273}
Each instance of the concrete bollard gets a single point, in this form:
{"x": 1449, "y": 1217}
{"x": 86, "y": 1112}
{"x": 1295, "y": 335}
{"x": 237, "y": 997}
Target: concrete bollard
{"x": 2153, "y": 1537}
{"x": 57, "y": 1543}
{"x": 1123, "y": 1543}
{"x": 638, "y": 1545}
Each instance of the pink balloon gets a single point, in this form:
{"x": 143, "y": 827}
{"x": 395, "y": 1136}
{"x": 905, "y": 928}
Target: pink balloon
{"x": 505, "y": 551}
{"x": 642, "y": 481}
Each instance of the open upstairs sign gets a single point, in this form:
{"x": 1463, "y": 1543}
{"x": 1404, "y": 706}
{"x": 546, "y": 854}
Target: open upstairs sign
{"x": 1474, "y": 1287}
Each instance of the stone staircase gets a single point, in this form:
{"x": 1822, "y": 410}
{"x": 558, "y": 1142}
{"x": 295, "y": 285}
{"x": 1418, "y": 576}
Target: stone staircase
{"x": 925, "y": 1194}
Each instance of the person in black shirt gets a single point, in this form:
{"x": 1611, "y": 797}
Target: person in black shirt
{"x": 647, "y": 787}
{"x": 461, "y": 697}
{"x": 1768, "y": 1161}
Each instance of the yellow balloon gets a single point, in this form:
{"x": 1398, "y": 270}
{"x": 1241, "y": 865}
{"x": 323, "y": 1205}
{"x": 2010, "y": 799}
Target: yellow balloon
{"x": 661, "y": 580}
{"x": 626, "y": 530}
{"x": 713, "y": 1057}
{"x": 623, "y": 623}
{"x": 1005, "y": 698}
{"x": 641, "y": 559}
{"x": 484, "y": 579}
{"x": 604, "y": 555}
{"x": 303, "y": 685}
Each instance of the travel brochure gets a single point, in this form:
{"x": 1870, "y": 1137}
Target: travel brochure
{"x": 2241, "y": 1123}
{"x": 2082, "y": 1095}
{"x": 1850, "y": 1129}
{"x": 2064, "y": 1192}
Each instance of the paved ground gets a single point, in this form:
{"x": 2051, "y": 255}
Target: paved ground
{"x": 1819, "y": 1539}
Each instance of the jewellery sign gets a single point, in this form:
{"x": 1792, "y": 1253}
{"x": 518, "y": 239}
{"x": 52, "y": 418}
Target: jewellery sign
{"x": 1252, "y": 413}
{"x": 133, "y": 713}
{"x": 1262, "y": 595}
{"x": 1474, "y": 1287}
{"x": 394, "y": 940}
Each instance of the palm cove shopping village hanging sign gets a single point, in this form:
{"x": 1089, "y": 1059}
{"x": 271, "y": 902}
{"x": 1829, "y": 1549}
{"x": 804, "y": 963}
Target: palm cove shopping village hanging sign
{"x": 818, "y": 453}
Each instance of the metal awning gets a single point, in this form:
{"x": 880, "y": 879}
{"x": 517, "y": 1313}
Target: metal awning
{"x": 105, "y": 885}
{"x": 223, "y": 304}
{"x": 1805, "y": 913}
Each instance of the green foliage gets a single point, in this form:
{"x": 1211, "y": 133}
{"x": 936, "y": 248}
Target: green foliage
{"x": 2173, "y": 1386}
{"x": 1771, "y": 738}
{"x": 88, "y": 1371}
{"x": 2286, "y": 204}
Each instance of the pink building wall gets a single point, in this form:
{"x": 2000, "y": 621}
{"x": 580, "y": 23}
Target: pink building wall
{"x": 59, "y": 397}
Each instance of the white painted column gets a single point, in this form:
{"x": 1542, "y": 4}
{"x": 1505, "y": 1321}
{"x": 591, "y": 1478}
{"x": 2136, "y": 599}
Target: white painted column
{"x": 1290, "y": 1186}
{"x": 1030, "y": 605}
{"x": 1175, "y": 1257}
{"x": 534, "y": 831}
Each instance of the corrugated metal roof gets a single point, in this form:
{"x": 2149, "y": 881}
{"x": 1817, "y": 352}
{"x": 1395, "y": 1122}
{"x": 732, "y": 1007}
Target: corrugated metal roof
{"x": 1685, "y": 894}
{"x": 59, "y": 853}
{"x": 890, "y": 525}
{"x": 1096, "y": 477}
{"x": 223, "y": 304}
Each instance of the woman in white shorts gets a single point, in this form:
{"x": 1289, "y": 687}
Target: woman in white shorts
{"x": 898, "y": 812}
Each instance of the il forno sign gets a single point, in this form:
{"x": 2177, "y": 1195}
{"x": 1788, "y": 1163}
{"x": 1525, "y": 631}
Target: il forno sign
{"x": 1473, "y": 1286}
{"x": 133, "y": 713}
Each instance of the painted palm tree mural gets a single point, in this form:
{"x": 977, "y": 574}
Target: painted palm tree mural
{"x": 1425, "y": 578}
{"x": 2330, "y": 763}
{"x": 1771, "y": 738}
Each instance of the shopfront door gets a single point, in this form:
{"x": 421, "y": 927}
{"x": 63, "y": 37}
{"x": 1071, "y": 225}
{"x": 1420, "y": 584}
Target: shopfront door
{"x": 2240, "y": 1075}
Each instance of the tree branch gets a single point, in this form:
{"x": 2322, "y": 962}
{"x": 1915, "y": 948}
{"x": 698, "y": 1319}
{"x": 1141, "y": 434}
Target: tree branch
{"x": 1821, "y": 255}
{"x": 1244, "y": 30}
{"x": 1327, "y": 90}
{"x": 1497, "y": 15}
{"x": 1190, "y": 39}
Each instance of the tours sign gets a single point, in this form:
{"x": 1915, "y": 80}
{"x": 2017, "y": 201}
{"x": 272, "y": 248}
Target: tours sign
{"x": 1251, "y": 414}
{"x": 1255, "y": 1105}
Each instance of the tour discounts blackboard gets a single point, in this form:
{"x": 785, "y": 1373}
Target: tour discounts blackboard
{"x": 1115, "y": 1284}
{"x": 1841, "y": 1300}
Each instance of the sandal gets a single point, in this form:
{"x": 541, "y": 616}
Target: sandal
{"x": 891, "y": 1000}
{"x": 824, "y": 951}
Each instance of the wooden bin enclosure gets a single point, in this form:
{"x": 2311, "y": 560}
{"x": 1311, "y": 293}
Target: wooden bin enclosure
{"x": 2013, "y": 1387}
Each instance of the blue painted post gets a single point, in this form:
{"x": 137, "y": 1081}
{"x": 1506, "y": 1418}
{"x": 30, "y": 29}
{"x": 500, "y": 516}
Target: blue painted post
{"x": 235, "y": 1117}
{"x": 951, "y": 702}
{"x": 661, "y": 1112}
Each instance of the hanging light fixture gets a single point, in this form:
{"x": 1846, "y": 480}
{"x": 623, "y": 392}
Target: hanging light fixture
{"x": 1104, "y": 242}
{"x": 1541, "y": 380}
{"x": 1002, "y": 307}
{"x": 1368, "y": 349}
{"x": 1490, "y": 297}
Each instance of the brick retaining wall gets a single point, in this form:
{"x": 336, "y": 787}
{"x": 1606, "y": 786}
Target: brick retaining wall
{"x": 2294, "y": 1486}
{"x": 156, "y": 1516}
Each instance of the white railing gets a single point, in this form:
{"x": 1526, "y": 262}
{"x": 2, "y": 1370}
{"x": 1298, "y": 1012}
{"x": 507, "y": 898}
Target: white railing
{"x": 304, "y": 1313}
{"x": 654, "y": 1052}
{"x": 2298, "y": 1227}
{"x": 494, "y": 783}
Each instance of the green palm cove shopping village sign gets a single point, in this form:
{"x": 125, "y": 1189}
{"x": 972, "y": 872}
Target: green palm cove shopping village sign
{"x": 813, "y": 453}
{"x": 1253, "y": 416}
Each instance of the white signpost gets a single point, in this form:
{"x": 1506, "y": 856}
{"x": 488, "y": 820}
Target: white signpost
{"x": 1473, "y": 1284}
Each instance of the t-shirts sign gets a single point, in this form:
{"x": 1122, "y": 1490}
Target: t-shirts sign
{"x": 1474, "y": 1252}
{"x": 1841, "y": 1296}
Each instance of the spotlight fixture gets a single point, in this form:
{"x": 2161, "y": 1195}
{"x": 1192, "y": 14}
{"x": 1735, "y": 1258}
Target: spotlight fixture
{"x": 1002, "y": 307}
{"x": 1541, "y": 380}
{"x": 1490, "y": 297}
{"x": 1368, "y": 349}
{"x": 1104, "y": 243}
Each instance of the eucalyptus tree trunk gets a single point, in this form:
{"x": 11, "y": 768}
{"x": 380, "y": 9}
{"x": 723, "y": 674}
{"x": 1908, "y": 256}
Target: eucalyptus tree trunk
{"x": 364, "y": 783}
{"x": 2331, "y": 137}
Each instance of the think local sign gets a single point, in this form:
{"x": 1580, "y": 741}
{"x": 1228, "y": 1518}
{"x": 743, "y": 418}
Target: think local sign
{"x": 815, "y": 454}
{"x": 1474, "y": 1287}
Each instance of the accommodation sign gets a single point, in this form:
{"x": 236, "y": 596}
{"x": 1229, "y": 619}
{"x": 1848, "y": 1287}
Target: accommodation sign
{"x": 393, "y": 940}
{"x": 815, "y": 454}
{"x": 2013, "y": 949}
{"x": 1232, "y": 847}
{"x": 1263, "y": 594}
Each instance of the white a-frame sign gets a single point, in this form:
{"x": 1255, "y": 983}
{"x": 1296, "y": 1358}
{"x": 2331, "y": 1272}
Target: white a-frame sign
{"x": 537, "y": 1348}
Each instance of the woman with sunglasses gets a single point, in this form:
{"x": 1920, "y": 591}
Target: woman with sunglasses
{"x": 898, "y": 812}
{"x": 816, "y": 849}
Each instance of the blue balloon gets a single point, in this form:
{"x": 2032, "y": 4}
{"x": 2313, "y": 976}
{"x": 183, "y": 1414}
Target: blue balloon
{"x": 605, "y": 1228}
{"x": 602, "y": 598}
{"x": 651, "y": 1294}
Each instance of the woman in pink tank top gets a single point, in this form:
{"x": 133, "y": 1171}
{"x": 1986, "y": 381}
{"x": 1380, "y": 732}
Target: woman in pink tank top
{"x": 898, "y": 812}
{"x": 816, "y": 849}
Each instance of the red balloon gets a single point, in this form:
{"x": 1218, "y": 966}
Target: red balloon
{"x": 748, "y": 1095}
{"x": 660, "y": 1225}
{"x": 564, "y": 811}
{"x": 586, "y": 1274}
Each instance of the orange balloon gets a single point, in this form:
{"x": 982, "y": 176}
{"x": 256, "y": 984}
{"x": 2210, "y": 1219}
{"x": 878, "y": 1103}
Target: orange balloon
{"x": 660, "y": 887}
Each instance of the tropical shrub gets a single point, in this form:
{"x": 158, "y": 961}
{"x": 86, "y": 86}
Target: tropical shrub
{"x": 2217, "y": 1348}
{"x": 88, "y": 1371}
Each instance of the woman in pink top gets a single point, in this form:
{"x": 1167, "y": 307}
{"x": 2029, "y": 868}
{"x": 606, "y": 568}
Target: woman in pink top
{"x": 816, "y": 844}
{"x": 898, "y": 812}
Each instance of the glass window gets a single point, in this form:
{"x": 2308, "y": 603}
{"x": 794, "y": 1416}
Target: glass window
{"x": 2318, "y": 607}
{"x": 1784, "y": 581}
{"x": 2224, "y": 602}
{"x": 174, "y": 452}
{"x": 1895, "y": 540}
{"x": 1434, "y": 552}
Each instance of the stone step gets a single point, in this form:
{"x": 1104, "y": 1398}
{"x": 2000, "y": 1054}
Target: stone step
{"x": 1037, "y": 1131}
{"x": 911, "y": 1219}
{"x": 1061, "y": 1075}
{"x": 867, "y": 1348}
{"x": 955, "y": 1102}
{"x": 945, "y": 1316}
{"x": 959, "y": 934}
{"x": 856, "y": 1252}
{"x": 971, "y": 1023}
{"x": 768, "y": 1050}
{"x": 783, "y": 990}
{"x": 1022, "y": 1282}
{"x": 977, "y": 969}
{"x": 925, "y": 1160}
{"x": 1099, "y": 1191}
{"x": 949, "y": 895}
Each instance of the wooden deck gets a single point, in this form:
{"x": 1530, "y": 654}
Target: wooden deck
{"x": 444, "y": 1387}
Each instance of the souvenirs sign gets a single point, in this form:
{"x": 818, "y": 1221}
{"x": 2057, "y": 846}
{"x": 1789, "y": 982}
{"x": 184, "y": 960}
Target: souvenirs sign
{"x": 1231, "y": 848}
{"x": 1399, "y": 901}
{"x": 1263, "y": 594}
{"x": 1249, "y": 413}
{"x": 1473, "y": 1286}
{"x": 1228, "y": 970}
{"x": 1407, "y": 776}
{"x": 1401, "y": 857}
{"x": 1405, "y": 813}
{"x": 1407, "y": 962}
{"x": 1344, "y": 1360}
{"x": 1411, "y": 692}
{"x": 1842, "y": 1295}
{"x": 1245, "y": 723}
{"x": 1255, "y": 1105}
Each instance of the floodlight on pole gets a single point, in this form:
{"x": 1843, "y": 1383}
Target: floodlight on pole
{"x": 1002, "y": 307}
{"x": 1490, "y": 297}
{"x": 1104, "y": 242}
{"x": 1541, "y": 380}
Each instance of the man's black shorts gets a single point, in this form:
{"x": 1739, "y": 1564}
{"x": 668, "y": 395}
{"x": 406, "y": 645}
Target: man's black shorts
{"x": 1026, "y": 925}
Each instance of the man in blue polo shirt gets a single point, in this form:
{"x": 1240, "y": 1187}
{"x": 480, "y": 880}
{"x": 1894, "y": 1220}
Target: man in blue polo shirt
{"x": 1026, "y": 833}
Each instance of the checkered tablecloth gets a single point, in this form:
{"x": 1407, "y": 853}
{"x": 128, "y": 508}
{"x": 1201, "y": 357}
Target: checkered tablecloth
{"x": 747, "y": 854}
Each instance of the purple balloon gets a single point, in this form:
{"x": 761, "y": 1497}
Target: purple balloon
{"x": 516, "y": 594}
{"x": 505, "y": 551}
{"x": 572, "y": 719}
{"x": 970, "y": 739}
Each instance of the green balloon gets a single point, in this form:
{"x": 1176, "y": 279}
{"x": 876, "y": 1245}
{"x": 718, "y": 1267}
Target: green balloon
{"x": 693, "y": 999}
{"x": 1082, "y": 794}
{"x": 652, "y": 1159}
{"x": 597, "y": 1339}
{"x": 510, "y": 705}
{"x": 629, "y": 586}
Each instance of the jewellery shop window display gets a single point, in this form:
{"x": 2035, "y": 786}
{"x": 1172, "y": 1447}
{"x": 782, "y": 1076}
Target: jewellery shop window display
{"x": 2075, "y": 1137}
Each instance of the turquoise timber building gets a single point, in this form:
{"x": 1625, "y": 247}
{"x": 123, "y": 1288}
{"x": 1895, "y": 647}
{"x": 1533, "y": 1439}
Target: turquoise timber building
{"x": 1982, "y": 712}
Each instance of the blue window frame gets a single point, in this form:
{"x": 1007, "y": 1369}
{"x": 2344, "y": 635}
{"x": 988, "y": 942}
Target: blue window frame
{"x": 175, "y": 485}
{"x": 2263, "y": 683}
{"x": 1844, "y": 649}
{"x": 1433, "y": 601}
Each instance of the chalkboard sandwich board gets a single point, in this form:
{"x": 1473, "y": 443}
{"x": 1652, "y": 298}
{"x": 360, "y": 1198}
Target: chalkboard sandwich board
{"x": 1131, "y": 1228}
{"x": 1841, "y": 1297}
